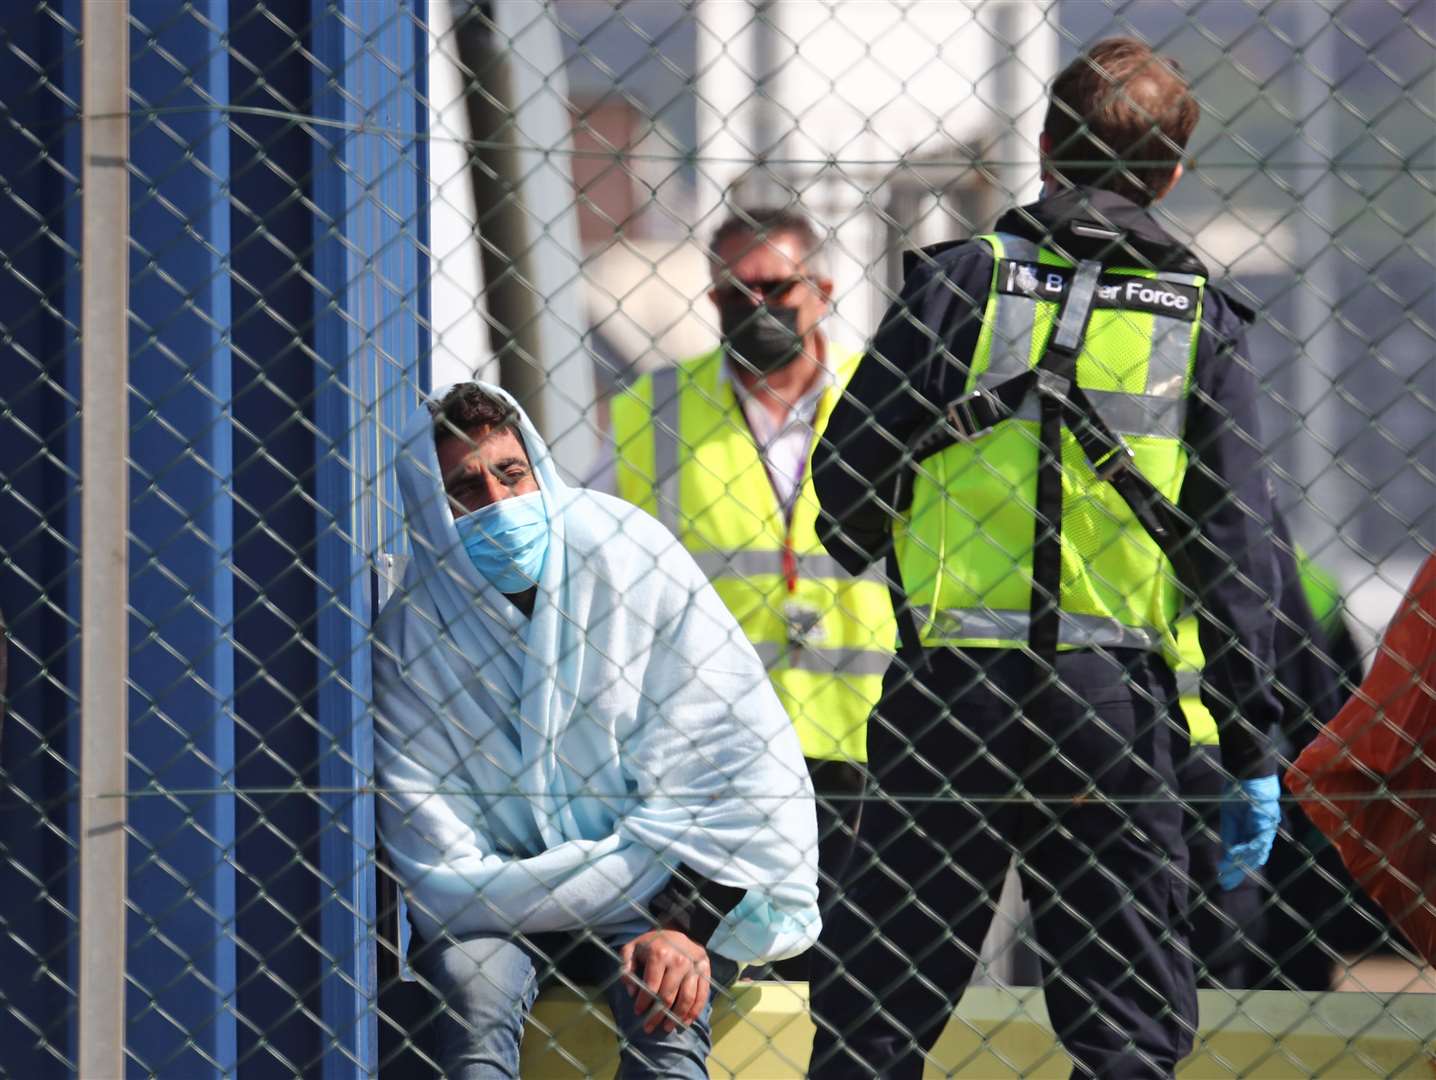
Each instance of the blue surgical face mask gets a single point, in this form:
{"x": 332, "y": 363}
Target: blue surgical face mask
{"x": 507, "y": 541}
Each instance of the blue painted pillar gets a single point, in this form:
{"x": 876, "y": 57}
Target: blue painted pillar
{"x": 256, "y": 397}
{"x": 370, "y": 189}
{"x": 278, "y": 892}
{"x": 39, "y": 535}
{"x": 181, "y": 1020}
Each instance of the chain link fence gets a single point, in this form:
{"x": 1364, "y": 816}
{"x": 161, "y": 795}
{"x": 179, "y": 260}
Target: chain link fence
{"x": 341, "y": 761}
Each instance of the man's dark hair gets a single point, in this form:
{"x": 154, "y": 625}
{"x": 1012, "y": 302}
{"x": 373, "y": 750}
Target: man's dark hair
{"x": 765, "y": 223}
{"x": 1119, "y": 119}
{"x": 467, "y": 408}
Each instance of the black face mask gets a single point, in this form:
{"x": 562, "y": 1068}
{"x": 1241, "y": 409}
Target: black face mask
{"x": 763, "y": 338}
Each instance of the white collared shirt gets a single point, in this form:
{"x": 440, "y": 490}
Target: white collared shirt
{"x": 783, "y": 444}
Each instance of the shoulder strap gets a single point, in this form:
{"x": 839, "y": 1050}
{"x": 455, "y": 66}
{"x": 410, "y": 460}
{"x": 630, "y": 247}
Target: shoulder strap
{"x": 1112, "y": 460}
{"x": 1056, "y": 370}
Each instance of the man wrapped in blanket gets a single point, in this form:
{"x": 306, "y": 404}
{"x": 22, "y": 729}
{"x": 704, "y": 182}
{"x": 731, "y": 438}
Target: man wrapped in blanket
{"x": 584, "y": 771}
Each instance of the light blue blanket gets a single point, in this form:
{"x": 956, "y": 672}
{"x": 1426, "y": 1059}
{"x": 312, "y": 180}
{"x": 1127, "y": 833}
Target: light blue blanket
{"x": 548, "y": 773}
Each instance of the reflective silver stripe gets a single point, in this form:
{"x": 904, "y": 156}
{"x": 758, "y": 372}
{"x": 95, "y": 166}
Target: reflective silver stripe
{"x": 1171, "y": 348}
{"x": 716, "y": 564}
{"x": 986, "y": 624}
{"x": 1011, "y": 351}
{"x": 1189, "y": 683}
{"x": 823, "y": 661}
{"x": 750, "y": 563}
{"x": 877, "y": 573}
{"x": 1126, "y": 414}
{"x": 665, "y": 446}
{"x": 1138, "y": 414}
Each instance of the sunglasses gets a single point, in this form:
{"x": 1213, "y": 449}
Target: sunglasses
{"x": 759, "y": 292}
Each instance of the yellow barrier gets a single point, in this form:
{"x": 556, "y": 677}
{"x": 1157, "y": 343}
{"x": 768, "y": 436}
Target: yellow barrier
{"x": 765, "y": 1033}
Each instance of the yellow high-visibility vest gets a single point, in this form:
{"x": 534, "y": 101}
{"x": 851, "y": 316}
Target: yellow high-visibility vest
{"x": 686, "y": 455}
{"x": 965, "y": 546}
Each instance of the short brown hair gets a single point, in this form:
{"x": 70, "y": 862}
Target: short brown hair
{"x": 766, "y": 222}
{"x": 1119, "y": 119}
{"x": 466, "y": 408}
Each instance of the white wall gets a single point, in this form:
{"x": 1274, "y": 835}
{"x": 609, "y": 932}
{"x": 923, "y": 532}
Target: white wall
{"x": 562, "y": 408}
{"x": 460, "y": 336}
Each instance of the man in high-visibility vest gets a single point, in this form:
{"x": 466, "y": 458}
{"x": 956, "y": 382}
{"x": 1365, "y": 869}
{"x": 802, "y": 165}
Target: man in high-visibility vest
{"x": 1052, "y": 445}
{"x": 718, "y": 447}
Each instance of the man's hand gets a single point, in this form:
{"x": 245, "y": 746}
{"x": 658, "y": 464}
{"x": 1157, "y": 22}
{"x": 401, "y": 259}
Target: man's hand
{"x": 675, "y": 980}
{"x": 1251, "y": 812}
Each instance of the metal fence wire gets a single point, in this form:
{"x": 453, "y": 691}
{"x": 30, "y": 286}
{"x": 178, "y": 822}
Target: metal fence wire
{"x": 866, "y": 444}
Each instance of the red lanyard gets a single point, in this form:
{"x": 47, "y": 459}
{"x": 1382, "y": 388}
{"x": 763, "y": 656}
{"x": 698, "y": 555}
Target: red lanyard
{"x": 790, "y": 564}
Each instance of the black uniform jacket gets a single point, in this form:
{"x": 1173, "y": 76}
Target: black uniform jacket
{"x": 917, "y": 363}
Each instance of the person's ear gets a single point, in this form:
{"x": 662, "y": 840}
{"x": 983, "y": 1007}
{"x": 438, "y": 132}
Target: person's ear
{"x": 1177, "y": 171}
{"x": 824, "y": 285}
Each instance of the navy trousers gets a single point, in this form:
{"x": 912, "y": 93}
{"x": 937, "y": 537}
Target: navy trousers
{"x": 980, "y": 754}
{"x": 1227, "y": 927}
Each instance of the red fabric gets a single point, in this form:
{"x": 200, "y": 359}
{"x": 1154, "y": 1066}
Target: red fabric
{"x": 1368, "y": 781}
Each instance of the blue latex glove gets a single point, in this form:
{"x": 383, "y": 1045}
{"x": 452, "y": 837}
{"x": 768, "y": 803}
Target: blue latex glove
{"x": 1251, "y": 812}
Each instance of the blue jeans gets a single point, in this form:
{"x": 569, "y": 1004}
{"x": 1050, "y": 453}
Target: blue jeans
{"x": 489, "y": 982}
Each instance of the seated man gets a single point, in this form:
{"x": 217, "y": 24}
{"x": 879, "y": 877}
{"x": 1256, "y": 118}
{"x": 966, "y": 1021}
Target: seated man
{"x": 576, "y": 746}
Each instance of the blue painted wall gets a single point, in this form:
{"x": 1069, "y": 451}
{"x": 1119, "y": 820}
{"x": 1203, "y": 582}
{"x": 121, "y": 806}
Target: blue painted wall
{"x": 370, "y": 190}
{"x": 278, "y": 335}
{"x": 181, "y": 945}
{"x": 39, "y": 536}
{"x": 273, "y": 375}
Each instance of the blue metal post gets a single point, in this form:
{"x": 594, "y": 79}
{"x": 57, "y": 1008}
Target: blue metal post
{"x": 279, "y": 896}
{"x": 369, "y": 187}
{"x": 39, "y": 536}
{"x": 182, "y": 933}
